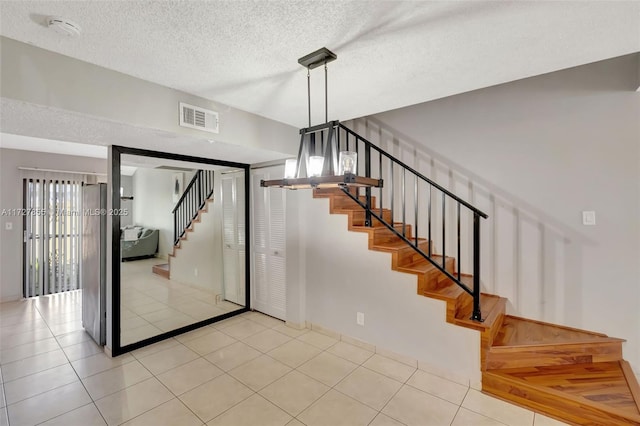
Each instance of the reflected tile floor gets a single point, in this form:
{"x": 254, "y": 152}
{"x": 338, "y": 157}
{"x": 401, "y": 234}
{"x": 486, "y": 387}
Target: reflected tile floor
{"x": 153, "y": 305}
{"x": 247, "y": 370}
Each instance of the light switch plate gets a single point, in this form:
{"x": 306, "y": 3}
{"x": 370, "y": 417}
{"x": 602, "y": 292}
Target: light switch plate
{"x": 589, "y": 217}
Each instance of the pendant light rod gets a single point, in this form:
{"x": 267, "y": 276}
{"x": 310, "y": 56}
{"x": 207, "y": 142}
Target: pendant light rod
{"x": 326, "y": 95}
{"x": 313, "y": 60}
{"x": 309, "y": 93}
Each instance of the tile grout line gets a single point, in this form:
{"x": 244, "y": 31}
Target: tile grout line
{"x": 459, "y": 406}
{"x": 77, "y": 375}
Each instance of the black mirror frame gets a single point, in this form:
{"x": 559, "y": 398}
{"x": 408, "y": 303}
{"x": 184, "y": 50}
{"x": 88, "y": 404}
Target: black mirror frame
{"x": 116, "y": 153}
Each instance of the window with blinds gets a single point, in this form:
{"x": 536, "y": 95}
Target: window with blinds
{"x": 52, "y": 220}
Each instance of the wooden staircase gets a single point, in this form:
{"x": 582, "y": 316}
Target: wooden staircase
{"x": 573, "y": 375}
{"x": 164, "y": 269}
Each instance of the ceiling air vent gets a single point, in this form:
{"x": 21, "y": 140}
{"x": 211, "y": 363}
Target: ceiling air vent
{"x": 198, "y": 118}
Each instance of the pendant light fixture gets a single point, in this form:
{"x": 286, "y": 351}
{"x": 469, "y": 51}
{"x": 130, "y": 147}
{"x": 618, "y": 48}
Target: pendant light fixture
{"x": 320, "y": 163}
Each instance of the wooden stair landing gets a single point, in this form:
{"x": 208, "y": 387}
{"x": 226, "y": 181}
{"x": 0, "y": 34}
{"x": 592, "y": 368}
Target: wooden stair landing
{"x": 585, "y": 394}
{"x": 574, "y": 375}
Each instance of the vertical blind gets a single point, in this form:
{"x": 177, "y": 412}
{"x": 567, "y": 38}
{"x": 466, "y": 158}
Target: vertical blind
{"x": 52, "y": 231}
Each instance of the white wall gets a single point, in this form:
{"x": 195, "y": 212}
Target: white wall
{"x": 534, "y": 154}
{"x": 153, "y": 204}
{"x": 202, "y": 250}
{"x": 342, "y": 277}
{"x": 11, "y": 197}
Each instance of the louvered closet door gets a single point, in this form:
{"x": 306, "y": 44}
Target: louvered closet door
{"x": 269, "y": 245}
{"x": 234, "y": 240}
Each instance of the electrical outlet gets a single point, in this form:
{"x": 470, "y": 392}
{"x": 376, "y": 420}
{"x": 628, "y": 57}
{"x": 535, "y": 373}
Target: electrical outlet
{"x": 195, "y": 272}
{"x": 360, "y": 318}
{"x": 589, "y": 217}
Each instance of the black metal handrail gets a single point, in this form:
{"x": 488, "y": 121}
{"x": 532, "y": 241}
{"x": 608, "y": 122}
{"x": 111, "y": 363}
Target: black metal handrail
{"x": 389, "y": 169}
{"x": 194, "y": 198}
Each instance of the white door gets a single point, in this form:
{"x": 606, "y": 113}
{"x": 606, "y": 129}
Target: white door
{"x": 269, "y": 245}
{"x": 233, "y": 239}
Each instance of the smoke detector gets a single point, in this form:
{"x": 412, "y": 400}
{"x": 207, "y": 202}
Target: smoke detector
{"x": 64, "y": 26}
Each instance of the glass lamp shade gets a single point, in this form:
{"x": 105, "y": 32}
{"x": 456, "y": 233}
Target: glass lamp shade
{"x": 348, "y": 162}
{"x": 290, "y": 169}
{"x": 315, "y": 166}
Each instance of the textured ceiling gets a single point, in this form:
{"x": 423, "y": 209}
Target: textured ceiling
{"x": 390, "y": 53}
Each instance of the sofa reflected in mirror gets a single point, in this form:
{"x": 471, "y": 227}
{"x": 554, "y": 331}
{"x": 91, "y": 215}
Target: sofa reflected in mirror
{"x": 138, "y": 242}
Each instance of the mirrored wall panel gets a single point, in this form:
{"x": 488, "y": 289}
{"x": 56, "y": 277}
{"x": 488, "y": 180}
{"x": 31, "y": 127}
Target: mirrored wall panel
{"x": 182, "y": 244}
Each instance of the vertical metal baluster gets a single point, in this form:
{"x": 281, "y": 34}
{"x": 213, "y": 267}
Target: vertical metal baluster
{"x": 391, "y": 190}
{"x": 367, "y": 172}
{"x": 429, "y": 221}
{"x": 458, "y": 260}
{"x": 444, "y": 231}
{"x": 380, "y": 177}
{"x": 477, "y": 315}
{"x": 415, "y": 207}
{"x": 199, "y": 189}
{"x": 404, "y": 196}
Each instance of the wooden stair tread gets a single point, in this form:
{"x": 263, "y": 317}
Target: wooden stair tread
{"x": 518, "y": 331}
{"x": 371, "y": 229}
{"x": 449, "y": 292}
{"x": 423, "y": 265}
{"x": 601, "y": 387}
{"x": 394, "y": 245}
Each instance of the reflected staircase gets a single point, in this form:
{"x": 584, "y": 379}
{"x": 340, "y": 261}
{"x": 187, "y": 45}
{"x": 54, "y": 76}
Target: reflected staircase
{"x": 188, "y": 211}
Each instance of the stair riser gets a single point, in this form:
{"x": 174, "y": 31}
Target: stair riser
{"x": 162, "y": 272}
{"x": 385, "y": 235}
{"x": 331, "y": 192}
{"x": 487, "y": 336}
{"x": 552, "y": 404}
{"x": 357, "y": 218}
{"x": 434, "y": 273}
{"x": 344, "y": 202}
{"x": 427, "y": 282}
{"x": 408, "y": 255}
{"x": 545, "y": 355}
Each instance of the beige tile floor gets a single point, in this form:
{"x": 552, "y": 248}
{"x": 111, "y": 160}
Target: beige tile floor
{"x": 247, "y": 370}
{"x": 153, "y": 305}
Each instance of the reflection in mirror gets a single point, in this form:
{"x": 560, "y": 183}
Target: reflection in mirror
{"x": 182, "y": 244}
